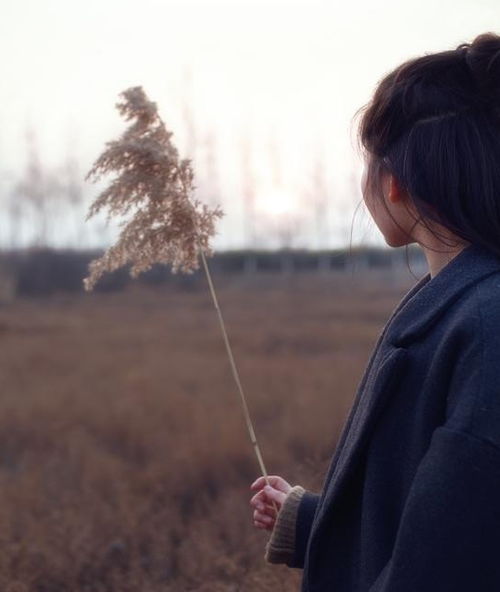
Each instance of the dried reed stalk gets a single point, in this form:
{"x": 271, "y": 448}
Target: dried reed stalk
{"x": 160, "y": 222}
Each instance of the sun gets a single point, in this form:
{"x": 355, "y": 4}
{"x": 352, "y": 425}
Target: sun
{"x": 275, "y": 201}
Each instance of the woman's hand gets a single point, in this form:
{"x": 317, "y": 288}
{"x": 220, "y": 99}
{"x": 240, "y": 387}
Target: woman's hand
{"x": 267, "y": 499}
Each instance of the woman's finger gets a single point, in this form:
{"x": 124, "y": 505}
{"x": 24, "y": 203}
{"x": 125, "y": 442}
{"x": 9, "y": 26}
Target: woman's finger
{"x": 266, "y": 511}
{"x": 273, "y": 480}
{"x": 264, "y": 518}
{"x": 269, "y": 510}
{"x": 263, "y": 503}
{"x": 258, "y": 497}
{"x": 266, "y": 507}
{"x": 258, "y": 500}
{"x": 258, "y": 483}
{"x": 262, "y": 524}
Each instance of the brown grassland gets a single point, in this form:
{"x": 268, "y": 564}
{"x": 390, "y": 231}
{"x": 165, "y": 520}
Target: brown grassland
{"x": 124, "y": 459}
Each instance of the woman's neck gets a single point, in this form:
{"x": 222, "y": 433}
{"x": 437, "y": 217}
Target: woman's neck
{"x": 438, "y": 256}
{"x": 439, "y": 245}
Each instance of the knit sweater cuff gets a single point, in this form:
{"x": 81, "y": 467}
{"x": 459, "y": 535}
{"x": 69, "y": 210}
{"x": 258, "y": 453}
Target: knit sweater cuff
{"x": 281, "y": 545}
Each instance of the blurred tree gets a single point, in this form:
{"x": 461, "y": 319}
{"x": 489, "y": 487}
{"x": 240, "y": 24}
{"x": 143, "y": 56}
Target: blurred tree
{"x": 34, "y": 194}
{"x": 71, "y": 198}
{"x": 248, "y": 188}
{"x": 12, "y": 212}
{"x": 319, "y": 190}
{"x": 286, "y": 223}
{"x": 210, "y": 180}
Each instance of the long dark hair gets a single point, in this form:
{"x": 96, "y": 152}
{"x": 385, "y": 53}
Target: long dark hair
{"x": 434, "y": 123}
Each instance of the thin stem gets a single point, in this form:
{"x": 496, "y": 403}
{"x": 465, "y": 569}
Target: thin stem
{"x": 234, "y": 369}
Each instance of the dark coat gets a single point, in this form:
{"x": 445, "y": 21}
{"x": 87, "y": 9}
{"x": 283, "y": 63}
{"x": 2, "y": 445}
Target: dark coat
{"x": 411, "y": 501}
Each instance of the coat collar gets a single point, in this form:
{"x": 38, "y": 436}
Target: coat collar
{"x": 431, "y": 297}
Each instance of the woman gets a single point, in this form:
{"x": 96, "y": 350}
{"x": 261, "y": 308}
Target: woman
{"x": 411, "y": 501}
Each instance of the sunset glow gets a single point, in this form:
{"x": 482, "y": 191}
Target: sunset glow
{"x": 282, "y": 77}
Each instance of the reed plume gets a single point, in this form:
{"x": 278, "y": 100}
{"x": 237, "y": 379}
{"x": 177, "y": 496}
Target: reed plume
{"x": 151, "y": 194}
{"x": 160, "y": 221}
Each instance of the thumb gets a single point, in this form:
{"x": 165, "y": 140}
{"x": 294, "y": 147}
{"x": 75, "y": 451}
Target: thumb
{"x": 275, "y": 495}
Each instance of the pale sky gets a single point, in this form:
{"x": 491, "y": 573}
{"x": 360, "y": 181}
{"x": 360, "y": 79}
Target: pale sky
{"x": 282, "y": 77}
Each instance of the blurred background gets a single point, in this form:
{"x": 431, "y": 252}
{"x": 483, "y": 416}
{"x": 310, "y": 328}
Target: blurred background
{"x": 124, "y": 461}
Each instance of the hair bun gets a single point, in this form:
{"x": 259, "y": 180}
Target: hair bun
{"x": 482, "y": 56}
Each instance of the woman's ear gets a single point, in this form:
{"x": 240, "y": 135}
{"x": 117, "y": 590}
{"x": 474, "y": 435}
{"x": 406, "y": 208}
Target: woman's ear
{"x": 396, "y": 193}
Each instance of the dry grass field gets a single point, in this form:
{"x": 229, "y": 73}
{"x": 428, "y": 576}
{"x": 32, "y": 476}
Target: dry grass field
{"x": 124, "y": 459}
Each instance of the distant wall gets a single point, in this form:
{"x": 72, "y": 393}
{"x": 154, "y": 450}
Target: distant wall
{"x": 43, "y": 272}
